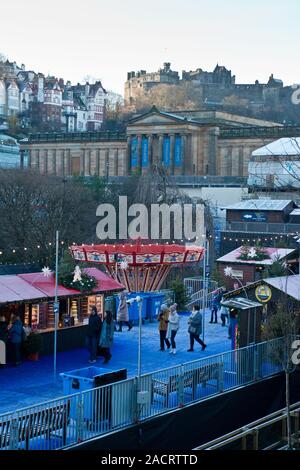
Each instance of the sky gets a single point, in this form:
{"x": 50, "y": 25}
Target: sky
{"x": 107, "y": 38}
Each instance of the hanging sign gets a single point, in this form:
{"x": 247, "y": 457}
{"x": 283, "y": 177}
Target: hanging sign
{"x": 263, "y": 293}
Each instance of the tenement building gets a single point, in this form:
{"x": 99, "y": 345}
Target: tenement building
{"x": 207, "y": 143}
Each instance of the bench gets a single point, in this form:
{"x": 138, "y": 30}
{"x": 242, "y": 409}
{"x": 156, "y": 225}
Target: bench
{"x": 35, "y": 424}
{"x": 190, "y": 379}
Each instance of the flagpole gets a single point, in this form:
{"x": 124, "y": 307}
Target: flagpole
{"x": 56, "y": 308}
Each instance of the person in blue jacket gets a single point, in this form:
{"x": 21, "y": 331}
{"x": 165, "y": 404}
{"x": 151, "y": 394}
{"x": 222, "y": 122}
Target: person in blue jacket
{"x": 15, "y": 337}
{"x": 215, "y": 307}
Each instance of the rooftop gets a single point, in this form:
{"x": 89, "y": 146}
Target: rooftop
{"x": 275, "y": 254}
{"x": 286, "y": 146}
{"x": 261, "y": 204}
{"x": 288, "y": 284}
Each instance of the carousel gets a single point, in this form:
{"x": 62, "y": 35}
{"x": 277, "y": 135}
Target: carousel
{"x": 139, "y": 267}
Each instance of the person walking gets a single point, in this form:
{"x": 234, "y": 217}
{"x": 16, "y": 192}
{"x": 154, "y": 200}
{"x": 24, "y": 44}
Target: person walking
{"x": 163, "y": 318}
{"x": 15, "y": 337}
{"x": 224, "y": 314}
{"x": 195, "y": 328}
{"x": 173, "y": 327}
{"x": 107, "y": 336}
{"x": 93, "y": 333}
{"x": 215, "y": 307}
{"x": 3, "y": 338}
{"x": 122, "y": 313}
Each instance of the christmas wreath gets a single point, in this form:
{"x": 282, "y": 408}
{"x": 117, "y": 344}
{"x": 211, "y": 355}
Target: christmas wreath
{"x": 256, "y": 253}
{"x": 85, "y": 284}
{"x": 77, "y": 279}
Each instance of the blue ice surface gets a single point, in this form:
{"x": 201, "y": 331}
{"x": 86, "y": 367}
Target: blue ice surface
{"x": 33, "y": 382}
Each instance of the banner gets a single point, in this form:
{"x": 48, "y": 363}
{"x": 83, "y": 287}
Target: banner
{"x": 178, "y": 151}
{"x": 166, "y": 151}
{"x": 145, "y": 147}
{"x": 134, "y": 152}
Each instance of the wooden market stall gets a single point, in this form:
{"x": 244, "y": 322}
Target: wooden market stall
{"x": 32, "y": 297}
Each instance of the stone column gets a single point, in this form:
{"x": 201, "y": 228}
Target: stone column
{"x": 29, "y": 158}
{"x": 160, "y": 148}
{"x": 183, "y": 154}
{"x": 54, "y": 159}
{"x": 87, "y": 166}
{"x": 107, "y": 164}
{"x": 212, "y": 151}
{"x": 150, "y": 153}
{"x": 67, "y": 169}
{"x": 82, "y": 162}
{"x": 172, "y": 147}
{"x": 139, "y": 152}
{"x": 127, "y": 168}
{"x": 97, "y": 171}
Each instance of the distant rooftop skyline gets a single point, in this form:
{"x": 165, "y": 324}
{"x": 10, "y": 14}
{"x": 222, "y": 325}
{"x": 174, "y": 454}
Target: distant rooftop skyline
{"x": 105, "y": 40}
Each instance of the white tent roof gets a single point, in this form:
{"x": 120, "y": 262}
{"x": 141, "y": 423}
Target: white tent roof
{"x": 285, "y": 146}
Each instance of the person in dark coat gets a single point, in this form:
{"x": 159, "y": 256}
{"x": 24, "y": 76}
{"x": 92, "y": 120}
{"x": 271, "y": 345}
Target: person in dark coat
{"x": 93, "y": 333}
{"x": 195, "y": 328}
{"x": 107, "y": 336}
{"x": 15, "y": 337}
{"x": 3, "y": 338}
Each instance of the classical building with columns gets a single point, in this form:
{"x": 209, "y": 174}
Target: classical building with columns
{"x": 199, "y": 143}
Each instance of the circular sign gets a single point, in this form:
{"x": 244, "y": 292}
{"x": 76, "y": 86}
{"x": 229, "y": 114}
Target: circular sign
{"x": 263, "y": 293}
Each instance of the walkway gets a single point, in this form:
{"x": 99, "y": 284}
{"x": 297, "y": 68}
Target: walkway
{"x": 33, "y": 383}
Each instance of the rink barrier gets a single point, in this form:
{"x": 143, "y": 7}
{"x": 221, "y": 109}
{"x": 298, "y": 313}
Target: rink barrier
{"x": 75, "y": 418}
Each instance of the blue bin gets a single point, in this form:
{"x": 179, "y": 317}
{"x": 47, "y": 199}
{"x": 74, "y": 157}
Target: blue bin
{"x": 133, "y": 309}
{"x": 79, "y": 380}
{"x": 154, "y": 302}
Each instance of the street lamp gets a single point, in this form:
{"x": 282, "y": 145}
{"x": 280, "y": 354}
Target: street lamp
{"x": 228, "y": 271}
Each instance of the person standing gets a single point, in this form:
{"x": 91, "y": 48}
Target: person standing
{"x": 122, "y": 313}
{"x": 93, "y": 333}
{"x": 15, "y": 336}
{"x": 163, "y": 318}
{"x": 107, "y": 336}
{"x": 195, "y": 328}
{"x": 215, "y": 307}
{"x": 3, "y": 338}
{"x": 173, "y": 327}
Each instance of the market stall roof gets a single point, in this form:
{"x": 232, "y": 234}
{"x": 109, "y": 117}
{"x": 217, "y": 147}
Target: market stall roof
{"x": 47, "y": 284}
{"x": 240, "y": 303}
{"x": 34, "y": 286}
{"x": 287, "y": 284}
{"x": 274, "y": 254}
{"x": 15, "y": 289}
{"x": 105, "y": 283}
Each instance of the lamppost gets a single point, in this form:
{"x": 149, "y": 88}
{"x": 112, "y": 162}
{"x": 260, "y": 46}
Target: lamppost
{"x": 56, "y": 305}
{"x": 228, "y": 271}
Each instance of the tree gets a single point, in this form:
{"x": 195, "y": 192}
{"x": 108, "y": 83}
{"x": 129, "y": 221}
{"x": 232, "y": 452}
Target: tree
{"x": 181, "y": 297}
{"x": 284, "y": 323}
{"x": 170, "y": 97}
{"x": 33, "y": 207}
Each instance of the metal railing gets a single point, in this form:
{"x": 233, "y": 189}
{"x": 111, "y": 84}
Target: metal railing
{"x": 193, "y": 285}
{"x": 262, "y": 227}
{"x": 269, "y": 432}
{"x": 81, "y": 416}
{"x": 262, "y": 132}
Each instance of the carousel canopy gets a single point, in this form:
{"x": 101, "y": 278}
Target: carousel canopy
{"x": 138, "y": 254}
{"x": 139, "y": 267}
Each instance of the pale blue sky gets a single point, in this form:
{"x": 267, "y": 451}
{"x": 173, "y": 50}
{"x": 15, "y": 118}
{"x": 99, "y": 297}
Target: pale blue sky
{"x": 108, "y": 38}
